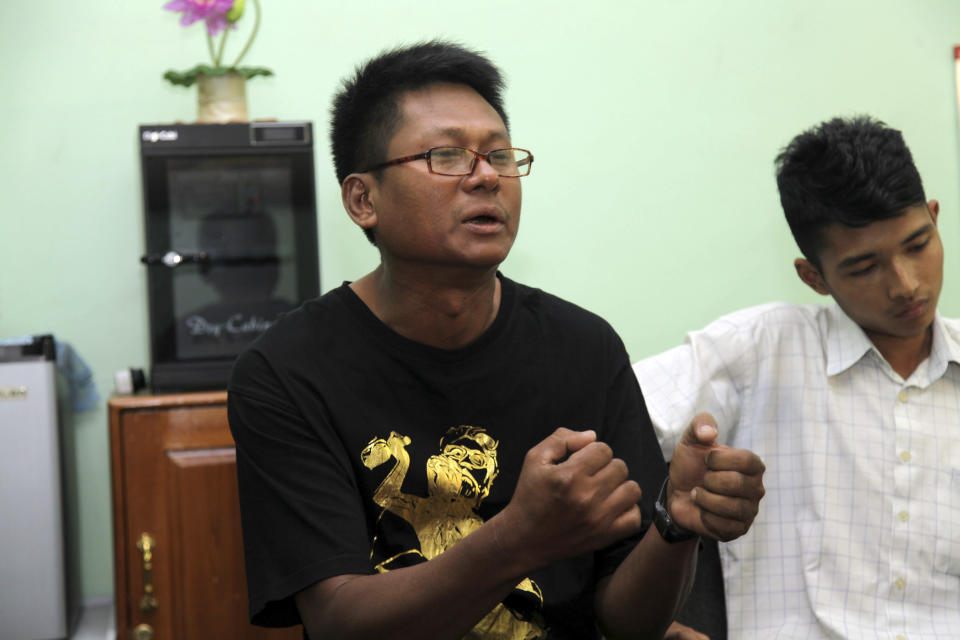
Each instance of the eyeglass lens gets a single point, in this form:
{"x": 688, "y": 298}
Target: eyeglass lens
{"x": 456, "y": 161}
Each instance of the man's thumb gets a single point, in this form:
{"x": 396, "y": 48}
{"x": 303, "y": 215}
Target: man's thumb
{"x": 562, "y": 443}
{"x": 702, "y": 430}
{"x": 577, "y": 440}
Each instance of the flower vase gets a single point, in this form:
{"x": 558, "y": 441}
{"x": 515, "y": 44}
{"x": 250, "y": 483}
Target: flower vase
{"x": 221, "y": 98}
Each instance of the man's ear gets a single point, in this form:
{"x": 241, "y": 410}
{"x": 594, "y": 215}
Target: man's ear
{"x": 356, "y": 193}
{"x": 934, "y": 207}
{"x": 811, "y": 276}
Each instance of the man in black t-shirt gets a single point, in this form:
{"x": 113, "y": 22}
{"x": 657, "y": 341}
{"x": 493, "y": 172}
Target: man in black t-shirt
{"x": 436, "y": 451}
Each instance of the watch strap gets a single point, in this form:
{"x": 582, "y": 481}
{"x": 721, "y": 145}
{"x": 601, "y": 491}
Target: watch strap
{"x": 669, "y": 530}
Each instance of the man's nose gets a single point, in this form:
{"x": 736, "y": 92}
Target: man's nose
{"x": 903, "y": 282}
{"x": 483, "y": 174}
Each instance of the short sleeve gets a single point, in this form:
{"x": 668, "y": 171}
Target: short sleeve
{"x": 705, "y": 374}
{"x": 629, "y": 432}
{"x": 301, "y": 512}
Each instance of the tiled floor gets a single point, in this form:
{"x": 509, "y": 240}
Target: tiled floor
{"x": 96, "y": 623}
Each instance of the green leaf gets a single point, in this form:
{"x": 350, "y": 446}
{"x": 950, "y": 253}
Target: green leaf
{"x": 252, "y": 72}
{"x": 189, "y": 77}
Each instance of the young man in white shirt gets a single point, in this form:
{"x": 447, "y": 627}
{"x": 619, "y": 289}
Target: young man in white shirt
{"x": 855, "y": 407}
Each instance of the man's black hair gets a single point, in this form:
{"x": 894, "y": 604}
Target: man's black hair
{"x": 852, "y": 171}
{"x": 365, "y": 112}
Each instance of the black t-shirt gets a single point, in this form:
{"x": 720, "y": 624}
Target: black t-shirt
{"x": 349, "y": 436}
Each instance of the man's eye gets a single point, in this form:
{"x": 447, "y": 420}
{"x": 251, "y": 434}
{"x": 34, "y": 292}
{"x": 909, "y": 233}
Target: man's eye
{"x": 446, "y": 155}
{"x": 917, "y": 248}
{"x": 864, "y": 271}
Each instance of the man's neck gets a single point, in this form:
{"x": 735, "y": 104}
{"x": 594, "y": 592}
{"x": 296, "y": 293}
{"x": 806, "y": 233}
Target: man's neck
{"x": 447, "y": 309}
{"x": 903, "y": 354}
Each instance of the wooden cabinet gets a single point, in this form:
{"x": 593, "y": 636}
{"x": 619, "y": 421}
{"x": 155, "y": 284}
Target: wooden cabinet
{"x": 176, "y": 521}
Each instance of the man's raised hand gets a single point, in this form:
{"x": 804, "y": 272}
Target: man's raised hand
{"x": 714, "y": 489}
{"x": 572, "y": 497}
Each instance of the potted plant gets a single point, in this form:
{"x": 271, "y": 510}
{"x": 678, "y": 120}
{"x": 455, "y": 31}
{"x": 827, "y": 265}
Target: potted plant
{"x": 221, "y": 88}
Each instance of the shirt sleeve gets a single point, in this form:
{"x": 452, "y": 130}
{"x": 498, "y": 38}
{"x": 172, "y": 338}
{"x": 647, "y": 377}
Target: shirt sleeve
{"x": 301, "y": 513}
{"x": 708, "y": 373}
{"x": 629, "y": 432}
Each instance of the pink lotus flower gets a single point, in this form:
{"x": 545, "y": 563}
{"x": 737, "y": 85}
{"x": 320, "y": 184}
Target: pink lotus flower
{"x": 218, "y": 15}
{"x": 213, "y": 12}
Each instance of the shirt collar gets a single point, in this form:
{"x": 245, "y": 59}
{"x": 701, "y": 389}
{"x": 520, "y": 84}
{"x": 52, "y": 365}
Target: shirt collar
{"x": 847, "y": 344}
{"x": 846, "y": 341}
{"x": 944, "y": 349}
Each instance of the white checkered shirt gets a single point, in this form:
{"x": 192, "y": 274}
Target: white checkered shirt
{"x": 859, "y": 533}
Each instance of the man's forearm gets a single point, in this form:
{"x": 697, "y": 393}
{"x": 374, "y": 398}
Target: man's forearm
{"x": 572, "y": 497}
{"x": 442, "y": 598}
{"x": 643, "y": 595}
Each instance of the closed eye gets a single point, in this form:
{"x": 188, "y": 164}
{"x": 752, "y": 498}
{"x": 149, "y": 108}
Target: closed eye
{"x": 917, "y": 248}
{"x": 864, "y": 271}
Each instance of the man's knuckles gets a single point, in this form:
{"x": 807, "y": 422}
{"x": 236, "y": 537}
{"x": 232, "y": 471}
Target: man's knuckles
{"x": 612, "y": 475}
{"x": 728, "y": 483}
{"x": 734, "y": 483}
{"x": 630, "y": 492}
{"x": 724, "y": 529}
{"x": 626, "y": 523}
{"x": 729, "y": 506}
{"x": 595, "y": 505}
{"x": 738, "y": 510}
{"x": 724, "y": 458}
{"x": 592, "y": 457}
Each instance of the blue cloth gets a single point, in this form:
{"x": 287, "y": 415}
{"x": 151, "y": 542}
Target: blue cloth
{"x": 77, "y": 374}
{"x": 79, "y": 377}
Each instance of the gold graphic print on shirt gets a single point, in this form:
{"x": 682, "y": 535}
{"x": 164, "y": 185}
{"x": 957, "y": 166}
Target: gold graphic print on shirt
{"x": 458, "y": 480}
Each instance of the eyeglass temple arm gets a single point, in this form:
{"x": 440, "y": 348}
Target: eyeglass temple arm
{"x": 390, "y": 163}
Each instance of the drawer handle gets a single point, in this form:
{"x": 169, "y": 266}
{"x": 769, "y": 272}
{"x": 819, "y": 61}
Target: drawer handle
{"x": 146, "y": 545}
{"x": 142, "y": 632}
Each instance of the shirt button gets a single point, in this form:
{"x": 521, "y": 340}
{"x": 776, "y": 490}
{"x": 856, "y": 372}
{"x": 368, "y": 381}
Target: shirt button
{"x": 903, "y": 396}
{"x": 900, "y": 583}
{"x": 904, "y": 516}
{"x": 905, "y": 456}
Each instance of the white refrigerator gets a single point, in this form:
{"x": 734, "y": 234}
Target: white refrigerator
{"x": 38, "y": 596}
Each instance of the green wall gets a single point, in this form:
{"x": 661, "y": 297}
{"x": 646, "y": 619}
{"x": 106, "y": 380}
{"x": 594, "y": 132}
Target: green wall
{"x": 654, "y": 125}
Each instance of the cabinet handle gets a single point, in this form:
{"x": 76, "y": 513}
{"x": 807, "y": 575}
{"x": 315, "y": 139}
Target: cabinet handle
{"x": 142, "y": 632}
{"x": 148, "y": 602}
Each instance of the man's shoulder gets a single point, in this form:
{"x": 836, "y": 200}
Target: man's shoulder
{"x": 313, "y": 322}
{"x": 775, "y": 312}
{"x": 762, "y": 331}
{"x": 952, "y": 325}
{"x": 951, "y": 331}
{"x": 773, "y": 318}
{"x": 552, "y": 309}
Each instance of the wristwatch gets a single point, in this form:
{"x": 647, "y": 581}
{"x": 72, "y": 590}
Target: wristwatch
{"x": 669, "y": 530}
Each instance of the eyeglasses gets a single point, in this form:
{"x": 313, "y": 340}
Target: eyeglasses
{"x": 460, "y": 161}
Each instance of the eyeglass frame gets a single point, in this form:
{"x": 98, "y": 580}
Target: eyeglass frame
{"x": 476, "y": 156}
